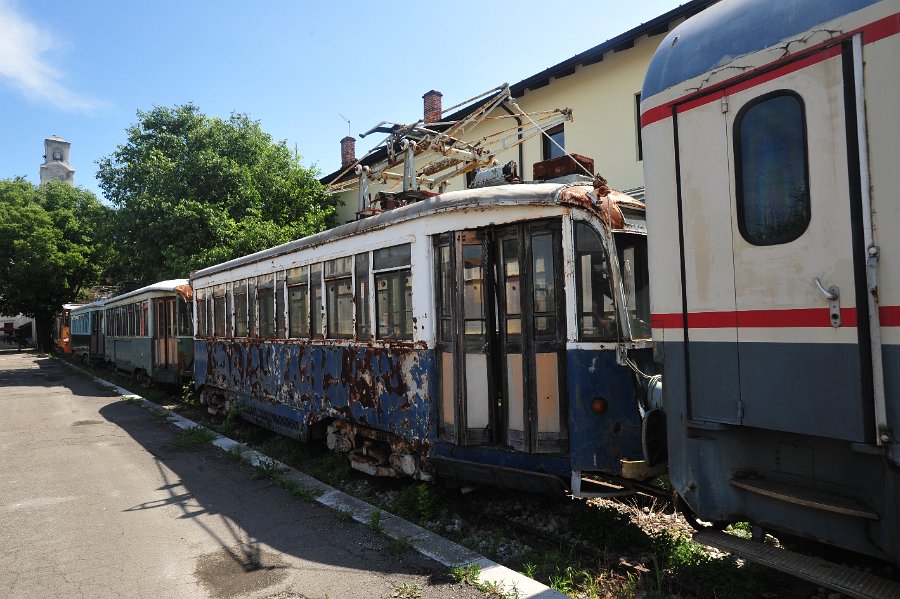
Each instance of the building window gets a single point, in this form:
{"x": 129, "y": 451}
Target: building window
{"x": 339, "y": 297}
{"x": 298, "y": 302}
{"x": 771, "y": 169}
{"x": 552, "y": 150}
{"x": 393, "y": 292}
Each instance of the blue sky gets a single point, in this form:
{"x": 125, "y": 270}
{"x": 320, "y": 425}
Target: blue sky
{"x": 81, "y": 69}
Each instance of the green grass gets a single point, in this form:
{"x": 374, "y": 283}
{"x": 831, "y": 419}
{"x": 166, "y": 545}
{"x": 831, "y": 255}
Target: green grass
{"x": 193, "y": 437}
{"x": 375, "y": 521}
{"x": 298, "y": 490}
{"x": 406, "y": 590}
{"x": 267, "y": 469}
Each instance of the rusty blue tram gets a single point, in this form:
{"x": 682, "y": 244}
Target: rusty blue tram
{"x": 497, "y": 335}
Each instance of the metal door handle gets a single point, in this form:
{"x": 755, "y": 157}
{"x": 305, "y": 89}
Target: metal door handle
{"x": 833, "y": 295}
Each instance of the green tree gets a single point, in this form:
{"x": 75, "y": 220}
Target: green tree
{"x": 51, "y": 248}
{"x": 192, "y": 191}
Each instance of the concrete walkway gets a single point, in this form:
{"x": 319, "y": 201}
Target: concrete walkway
{"x": 97, "y": 503}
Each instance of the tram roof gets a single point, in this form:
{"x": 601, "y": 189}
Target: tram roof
{"x": 731, "y": 29}
{"x": 94, "y": 305}
{"x": 523, "y": 194}
{"x": 162, "y": 286}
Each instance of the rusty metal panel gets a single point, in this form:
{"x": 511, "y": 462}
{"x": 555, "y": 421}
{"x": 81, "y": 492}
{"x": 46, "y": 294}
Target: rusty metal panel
{"x": 286, "y": 386}
{"x": 570, "y": 164}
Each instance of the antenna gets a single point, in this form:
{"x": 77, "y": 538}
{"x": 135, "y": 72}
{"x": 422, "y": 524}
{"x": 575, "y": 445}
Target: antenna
{"x": 348, "y": 123}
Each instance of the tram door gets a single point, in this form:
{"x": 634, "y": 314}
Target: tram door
{"x": 165, "y": 350}
{"x": 97, "y": 339}
{"x": 501, "y": 345}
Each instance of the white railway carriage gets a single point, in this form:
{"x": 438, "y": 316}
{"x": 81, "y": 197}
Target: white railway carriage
{"x": 473, "y": 334}
{"x": 771, "y": 143}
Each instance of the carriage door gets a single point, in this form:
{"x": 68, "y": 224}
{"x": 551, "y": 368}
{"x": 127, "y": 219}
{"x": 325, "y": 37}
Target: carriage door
{"x": 500, "y": 347}
{"x": 796, "y": 222}
{"x": 770, "y": 221}
{"x": 97, "y": 345}
{"x": 165, "y": 351}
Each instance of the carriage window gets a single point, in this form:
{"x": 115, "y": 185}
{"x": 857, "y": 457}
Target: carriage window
{"x": 145, "y": 321}
{"x": 473, "y": 295}
{"x": 339, "y": 295}
{"x": 596, "y": 309}
{"x": 771, "y": 170}
{"x": 266, "y": 300}
{"x": 280, "y": 323}
{"x": 512, "y": 284}
{"x": 184, "y": 318}
{"x": 393, "y": 292}
{"x": 544, "y": 285}
{"x": 363, "y": 327}
{"x": 298, "y": 303}
{"x": 316, "y": 308}
{"x": 633, "y": 263}
{"x": 251, "y": 307}
{"x": 201, "y": 312}
{"x": 239, "y": 299}
{"x": 446, "y": 292}
{"x": 219, "y": 310}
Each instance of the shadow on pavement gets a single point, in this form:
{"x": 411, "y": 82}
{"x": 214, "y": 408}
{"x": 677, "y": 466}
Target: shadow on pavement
{"x": 49, "y": 373}
{"x": 242, "y": 515}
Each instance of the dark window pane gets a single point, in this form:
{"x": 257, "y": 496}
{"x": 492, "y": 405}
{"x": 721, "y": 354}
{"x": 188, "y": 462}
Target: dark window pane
{"x": 280, "y": 325}
{"x": 184, "y": 318}
{"x": 219, "y": 311}
{"x": 240, "y": 312}
{"x": 363, "y": 326}
{"x": 298, "y": 314}
{"x": 392, "y": 257}
{"x": 551, "y": 150}
{"x": 772, "y": 178}
{"x": 393, "y": 304}
{"x": 316, "y": 308}
{"x": 338, "y": 267}
{"x": 266, "y": 298}
{"x": 632, "y": 253}
{"x": 544, "y": 287}
{"x": 596, "y": 309}
{"x": 473, "y": 295}
{"x": 339, "y": 294}
{"x": 251, "y": 307}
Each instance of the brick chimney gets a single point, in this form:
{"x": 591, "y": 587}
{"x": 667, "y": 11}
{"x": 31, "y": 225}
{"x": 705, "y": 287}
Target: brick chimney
{"x": 432, "y": 106}
{"x": 348, "y": 151}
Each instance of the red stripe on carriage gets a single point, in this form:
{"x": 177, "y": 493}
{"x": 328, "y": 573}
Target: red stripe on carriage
{"x": 889, "y": 316}
{"x": 754, "y": 319}
{"x": 872, "y": 32}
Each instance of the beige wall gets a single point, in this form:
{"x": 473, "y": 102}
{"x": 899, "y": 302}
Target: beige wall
{"x": 604, "y": 126}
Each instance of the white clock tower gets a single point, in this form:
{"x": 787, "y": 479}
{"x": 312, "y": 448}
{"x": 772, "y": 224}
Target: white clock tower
{"x": 56, "y": 165}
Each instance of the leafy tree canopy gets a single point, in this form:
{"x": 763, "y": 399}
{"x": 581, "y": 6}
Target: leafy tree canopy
{"x": 51, "y": 247}
{"x": 192, "y": 191}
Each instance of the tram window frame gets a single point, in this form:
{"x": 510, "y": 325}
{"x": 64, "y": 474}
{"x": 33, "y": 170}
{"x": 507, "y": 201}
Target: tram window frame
{"x": 185, "y": 322}
{"x": 588, "y": 330}
{"x": 241, "y": 320}
{"x": 280, "y": 305}
{"x": 362, "y": 295}
{"x": 145, "y": 318}
{"x": 393, "y": 267}
{"x": 251, "y": 308}
{"x": 316, "y": 302}
{"x": 220, "y": 311}
{"x": 550, "y": 315}
{"x": 445, "y": 282}
{"x": 750, "y": 167}
{"x": 298, "y": 288}
{"x": 201, "y": 312}
{"x": 338, "y": 276}
{"x": 265, "y": 302}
